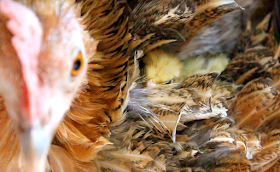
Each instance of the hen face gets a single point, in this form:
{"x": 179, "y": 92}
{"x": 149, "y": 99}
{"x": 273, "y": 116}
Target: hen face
{"x": 62, "y": 63}
{"x": 43, "y": 63}
{"x": 43, "y": 79}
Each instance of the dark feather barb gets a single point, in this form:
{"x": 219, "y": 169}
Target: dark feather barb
{"x": 277, "y": 20}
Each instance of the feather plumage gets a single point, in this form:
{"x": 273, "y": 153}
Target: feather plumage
{"x": 177, "y": 21}
{"x": 139, "y": 142}
{"x": 177, "y": 127}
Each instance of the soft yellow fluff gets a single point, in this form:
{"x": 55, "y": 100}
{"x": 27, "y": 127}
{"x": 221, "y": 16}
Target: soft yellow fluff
{"x": 202, "y": 64}
{"x": 162, "y": 67}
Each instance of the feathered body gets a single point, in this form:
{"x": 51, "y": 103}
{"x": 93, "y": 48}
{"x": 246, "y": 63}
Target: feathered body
{"x": 258, "y": 32}
{"x": 167, "y": 22}
{"x": 220, "y": 37}
{"x": 199, "y": 124}
{"x": 171, "y": 24}
{"x": 182, "y": 127}
{"x": 203, "y": 123}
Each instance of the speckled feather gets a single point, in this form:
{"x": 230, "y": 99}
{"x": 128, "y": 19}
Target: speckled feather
{"x": 177, "y": 21}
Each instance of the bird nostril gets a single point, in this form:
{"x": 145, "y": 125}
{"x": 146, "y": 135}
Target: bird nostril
{"x": 20, "y": 129}
{"x": 46, "y": 118}
{"x": 150, "y": 84}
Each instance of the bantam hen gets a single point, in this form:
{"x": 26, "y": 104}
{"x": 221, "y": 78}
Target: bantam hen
{"x": 182, "y": 126}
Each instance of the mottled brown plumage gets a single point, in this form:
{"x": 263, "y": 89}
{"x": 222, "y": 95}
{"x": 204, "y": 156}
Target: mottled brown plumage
{"x": 164, "y": 111}
{"x": 253, "y": 63}
{"x": 220, "y": 37}
{"x": 177, "y": 21}
{"x": 166, "y": 26}
{"x": 257, "y": 31}
{"x": 145, "y": 140}
{"x": 199, "y": 124}
{"x": 241, "y": 136}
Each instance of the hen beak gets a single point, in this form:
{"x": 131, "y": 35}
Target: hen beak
{"x": 35, "y": 143}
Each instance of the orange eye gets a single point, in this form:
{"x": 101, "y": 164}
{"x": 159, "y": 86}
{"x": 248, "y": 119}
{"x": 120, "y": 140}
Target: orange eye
{"x": 78, "y": 64}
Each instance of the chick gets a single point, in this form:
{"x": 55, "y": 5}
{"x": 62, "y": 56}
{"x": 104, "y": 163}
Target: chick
{"x": 162, "y": 67}
{"x": 204, "y": 64}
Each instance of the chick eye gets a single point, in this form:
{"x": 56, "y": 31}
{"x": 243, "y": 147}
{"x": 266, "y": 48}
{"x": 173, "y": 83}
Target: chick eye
{"x": 77, "y": 64}
{"x": 169, "y": 82}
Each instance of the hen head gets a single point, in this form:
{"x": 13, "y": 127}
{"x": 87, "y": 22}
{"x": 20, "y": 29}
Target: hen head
{"x": 43, "y": 64}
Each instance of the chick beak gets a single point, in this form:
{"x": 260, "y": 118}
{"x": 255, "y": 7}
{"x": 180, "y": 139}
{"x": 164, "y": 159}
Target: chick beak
{"x": 150, "y": 84}
{"x": 35, "y": 145}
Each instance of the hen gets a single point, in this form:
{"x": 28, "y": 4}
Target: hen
{"x": 194, "y": 125}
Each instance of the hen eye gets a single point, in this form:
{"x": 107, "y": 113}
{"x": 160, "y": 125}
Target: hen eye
{"x": 77, "y": 64}
{"x": 169, "y": 82}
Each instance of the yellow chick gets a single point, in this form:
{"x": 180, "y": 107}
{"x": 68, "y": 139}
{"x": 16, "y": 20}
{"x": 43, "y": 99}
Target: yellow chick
{"x": 162, "y": 67}
{"x": 204, "y": 64}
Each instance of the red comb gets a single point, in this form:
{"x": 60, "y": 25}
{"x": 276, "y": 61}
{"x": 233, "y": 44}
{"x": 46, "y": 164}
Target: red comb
{"x": 27, "y": 38}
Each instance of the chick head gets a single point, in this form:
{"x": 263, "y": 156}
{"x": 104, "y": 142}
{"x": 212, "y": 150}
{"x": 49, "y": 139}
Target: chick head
{"x": 162, "y": 67}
